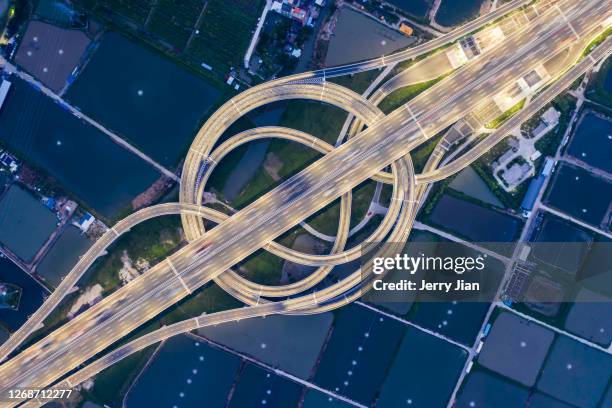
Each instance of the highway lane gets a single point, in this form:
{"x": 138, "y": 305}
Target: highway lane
{"x": 438, "y": 153}
{"x": 97, "y": 249}
{"x": 167, "y": 293}
{"x": 504, "y": 130}
{"x": 308, "y": 304}
{"x": 438, "y": 64}
{"x": 415, "y": 133}
{"x": 215, "y": 229}
{"x": 335, "y": 95}
{"x": 420, "y": 49}
{"x": 221, "y": 121}
{"x": 268, "y": 309}
{"x": 421, "y": 103}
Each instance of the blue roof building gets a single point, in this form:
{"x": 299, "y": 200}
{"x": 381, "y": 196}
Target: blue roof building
{"x": 532, "y": 193}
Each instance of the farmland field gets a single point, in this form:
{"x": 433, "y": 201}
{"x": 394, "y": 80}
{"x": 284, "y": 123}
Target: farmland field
{"x": 225, "y": 32}
{"x": 214, "y": 32}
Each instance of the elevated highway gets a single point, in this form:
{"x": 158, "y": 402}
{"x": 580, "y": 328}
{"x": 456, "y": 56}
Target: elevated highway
{"x": 387, "y": 140}
{"x": 35, "y": 321}
{"x": 263, "y": 308}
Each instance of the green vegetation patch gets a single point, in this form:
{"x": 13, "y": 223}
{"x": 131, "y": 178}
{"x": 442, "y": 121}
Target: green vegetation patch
{"x": 224, "y": 32}
{"x": 399, "y": 97}
{"x": 136, "y": 11}
{"x": 175, "y": 20}
{"x": 320, "y": 120}
{"x": 152, "y": 241}
{"x": 547, "y": 145}
{"x": 599, "y": 89}
{"x": 357, "y": 82}
{"x": 497, "y": 122}
{"x": 113, "y": 383}
{"x": 421, "y": 154}
{"x": 213, "y": 32}
{"x": 597, "y": 41}
{"x": 326, "y": 220}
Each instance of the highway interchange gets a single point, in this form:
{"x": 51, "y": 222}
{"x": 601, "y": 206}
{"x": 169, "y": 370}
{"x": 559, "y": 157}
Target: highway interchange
{"x": 210, "y": 254}
{"x": 98, "y": 249}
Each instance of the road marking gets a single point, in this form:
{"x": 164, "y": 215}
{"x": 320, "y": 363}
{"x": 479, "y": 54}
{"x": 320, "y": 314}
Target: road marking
{"x": 535, "y": 9}
{"x": 206, "y": 159}
{"x": 444, "y": 144}
{"x": 403, "y": 200}
{"x": 467, "y": 122}
{"x": 322, "y": 91}
{"x": 415, "y": 120}
{"x": 526, "y": 16}
{"x": 592, "y": 59}
{"x": 458, "y": 129}
{"x": 314, "y": 294}
{"x": 178, "y": 275}
{"x": 196, "y": 151}
{"x": 567, "y": 21}
{"x": 236, "y": 106}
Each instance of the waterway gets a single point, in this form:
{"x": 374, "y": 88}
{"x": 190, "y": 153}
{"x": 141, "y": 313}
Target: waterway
{"x": 581, "y": 194}
{"x": 316, "y": 399}
{"x": 31, "y": 298}
{"x": 206, "y": 376}
{"x": 418, "y": 8}
{"x": 63, "y": 255}
{"x": 82, "y": 159}
{"x": 55, "y": 10}
{"x": 4, "y": 5}
{"x": 424, "y": 372}
{"x": 460, "y": 321}
{"x": 469, "y": 182}
{"x": 25, "y": 223}
{"x": 241, "y": 165}
{"x": 592, "y": 142}
{"x": 608, "y": 81}
{"x": 259, "y": 387}
{"x": 138, "y": 93}
{"x": 476, "y": 223}
{"x": 373, "y": 39}
{"x": 266, "y": 339}
{"x": 359, "y": 353}
{"x": 456, "y": 12}
{"x": 200, "y": 376}
{"x": 245, "y": 169}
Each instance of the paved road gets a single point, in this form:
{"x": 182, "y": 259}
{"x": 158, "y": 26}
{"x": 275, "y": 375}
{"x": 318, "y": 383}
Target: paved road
{"x": 421, "y": 49}
{"x": 386, "y": 141}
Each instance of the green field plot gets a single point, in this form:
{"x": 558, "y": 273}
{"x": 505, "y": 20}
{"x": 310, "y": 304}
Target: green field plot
{"x": 213, "y": 32}
{"x": 175, "y": 20}
{"x": 224, "y": 32}
{"x": 136, "y": 11}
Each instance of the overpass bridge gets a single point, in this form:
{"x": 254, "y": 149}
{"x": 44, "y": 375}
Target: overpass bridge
{"x": 210, "y": 254}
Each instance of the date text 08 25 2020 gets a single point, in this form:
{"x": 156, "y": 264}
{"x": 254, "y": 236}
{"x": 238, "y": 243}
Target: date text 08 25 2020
{"x": 25, "y": 394}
